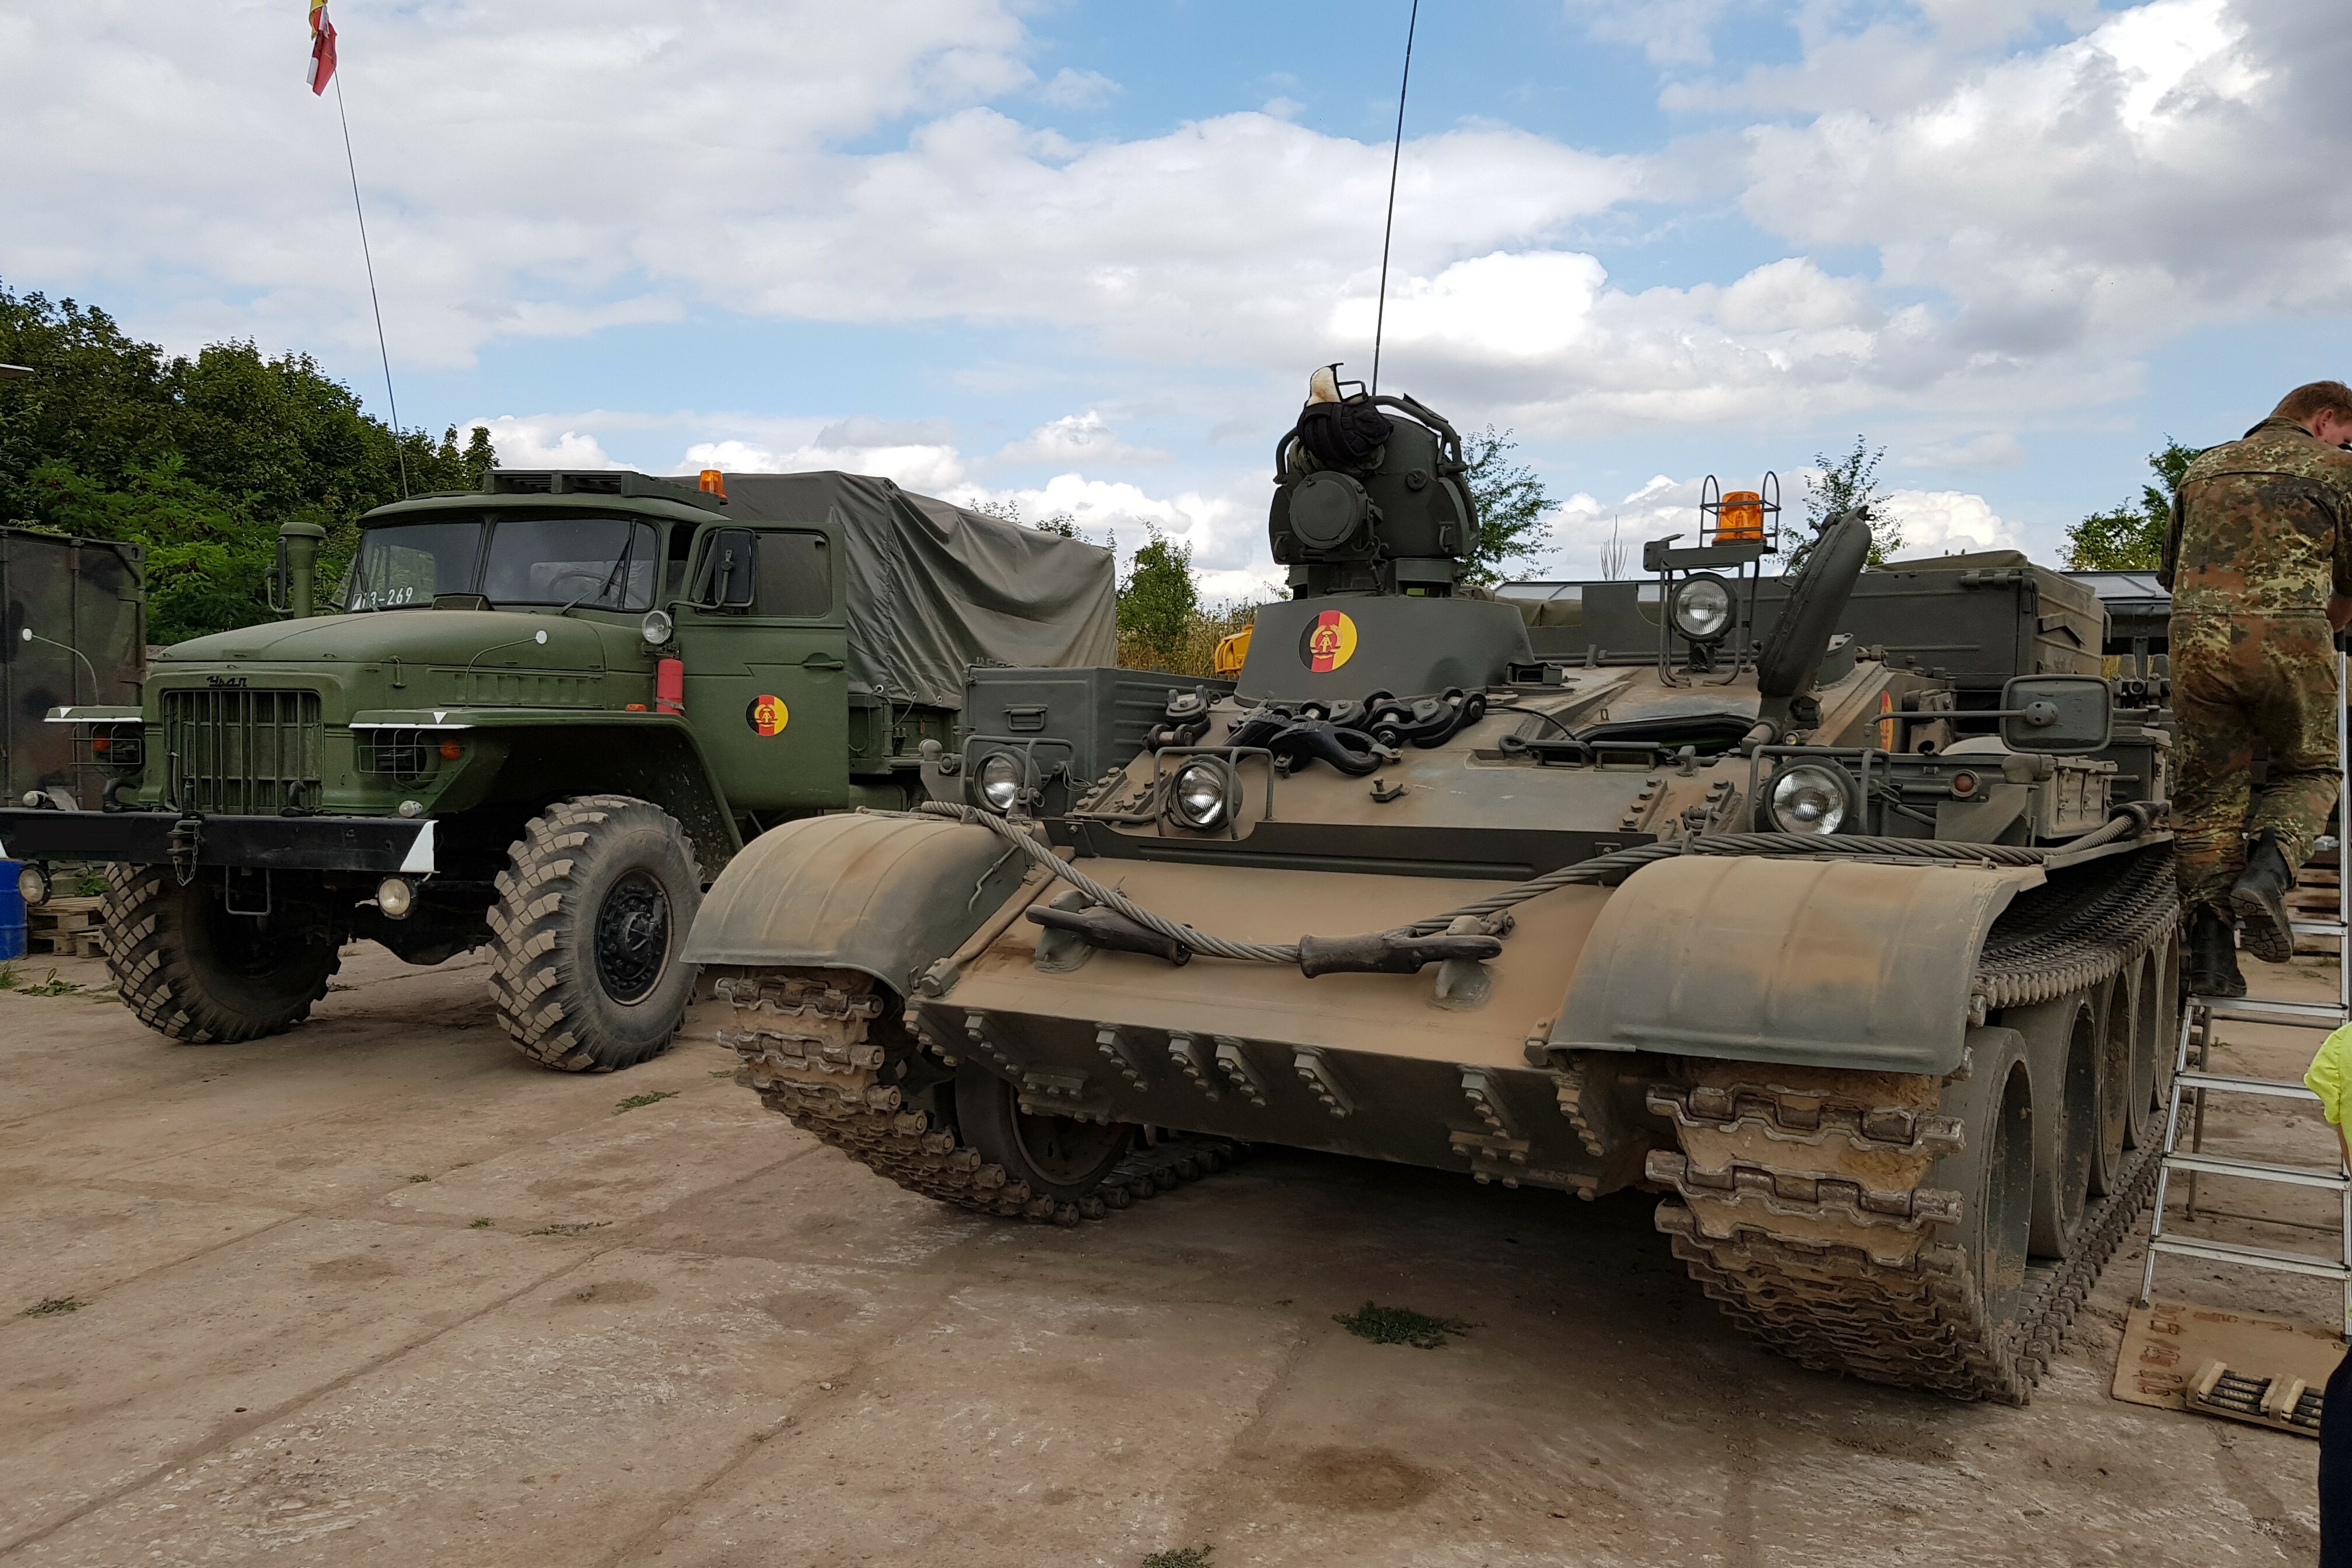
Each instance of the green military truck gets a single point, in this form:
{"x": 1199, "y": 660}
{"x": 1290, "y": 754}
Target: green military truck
{"x": 544, "y": 717}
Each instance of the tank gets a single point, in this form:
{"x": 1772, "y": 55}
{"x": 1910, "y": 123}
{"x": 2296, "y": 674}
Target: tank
{"x": 1871, "y": 991}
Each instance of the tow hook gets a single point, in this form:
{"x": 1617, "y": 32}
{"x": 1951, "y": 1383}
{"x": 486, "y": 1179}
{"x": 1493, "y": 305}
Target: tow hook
{"x": 186, "y": 839}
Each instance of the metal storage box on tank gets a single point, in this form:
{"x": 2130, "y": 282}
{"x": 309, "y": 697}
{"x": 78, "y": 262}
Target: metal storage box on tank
{"x": 1107, "y": 713}
{"x": 83, "y": 599}
{"x": 1979, "y": 618}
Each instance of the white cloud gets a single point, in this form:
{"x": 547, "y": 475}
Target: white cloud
{"x": 927, "y": 469}
{"x": 1981, "y": 232}
{"x": 1669, "y": 31}
{"x": 1943, "y": 522}
{"x": 1076, "y": 438}
{"x": 1996, "y": 449}
{"x": 1078, "y": 90}
{"x": 540, "y": 443}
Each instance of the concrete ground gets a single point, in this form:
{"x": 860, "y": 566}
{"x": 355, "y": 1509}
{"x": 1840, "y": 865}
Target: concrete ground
{"x": 382, "y": 1291}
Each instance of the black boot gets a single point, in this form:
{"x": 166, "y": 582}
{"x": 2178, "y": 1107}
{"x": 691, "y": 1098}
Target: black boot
{"x": 2213, "y": 955}
{"x": 2260, "y": 899}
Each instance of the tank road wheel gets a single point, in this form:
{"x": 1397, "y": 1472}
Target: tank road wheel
{"x": 2118, "y": 1002}
{"x": 2155, "y": 1036}
{"x": 1059, "y": 1157}
{"x": 203, "y": 976}
{"x": 592, "y": 915}
{"x": 2063, "y": 1051}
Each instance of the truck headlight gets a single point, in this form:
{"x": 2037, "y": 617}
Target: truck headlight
{"x": 1000, "y": 779}
{"x": 1811, "y": 798}
{"x": 1702, "y": 607}
{"x": 396, "y": 898}
{"x": 1202, "y": 794}
{"x": 32, "y": 886}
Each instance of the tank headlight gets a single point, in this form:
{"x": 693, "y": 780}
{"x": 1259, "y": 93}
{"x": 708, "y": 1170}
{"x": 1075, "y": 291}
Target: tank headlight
{"x": 1201, "y": 796}
{"x": 32, "y": 886}
{"x": 395, "y": 897}
{"x": 1811, "y": 798}
{"x": 1000, "y": 780}
{"x": 1702, "y": 608}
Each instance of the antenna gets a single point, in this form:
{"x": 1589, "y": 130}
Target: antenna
{"x": 383, "y": 349}
{"x": 1388, "y": 228}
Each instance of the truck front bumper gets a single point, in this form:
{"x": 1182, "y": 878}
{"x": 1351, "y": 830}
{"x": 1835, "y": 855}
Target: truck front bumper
{"x": 382, "y": 845}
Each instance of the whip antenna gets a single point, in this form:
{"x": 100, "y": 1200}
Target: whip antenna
{"x": 383, "y": 349}
{"x": 1388, "y": 228}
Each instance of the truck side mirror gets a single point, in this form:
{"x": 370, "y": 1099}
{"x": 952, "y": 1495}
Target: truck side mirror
{"x": 724, "y": 579}
{"x": 2057, "y": 715}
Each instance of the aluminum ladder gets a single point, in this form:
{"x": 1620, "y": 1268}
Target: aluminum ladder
{"x": 2193, "y": 1080}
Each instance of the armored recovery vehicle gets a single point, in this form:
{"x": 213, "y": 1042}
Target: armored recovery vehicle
{"x": 1873, "y": 992}
{"x": 545, "y": 715}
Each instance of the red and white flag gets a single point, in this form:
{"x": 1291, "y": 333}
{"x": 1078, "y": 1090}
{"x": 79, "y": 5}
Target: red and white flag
{"x": 323, "y": 47}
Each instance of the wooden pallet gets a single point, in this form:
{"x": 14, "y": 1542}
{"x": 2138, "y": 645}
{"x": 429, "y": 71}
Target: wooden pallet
{"x": 68, "y": 928}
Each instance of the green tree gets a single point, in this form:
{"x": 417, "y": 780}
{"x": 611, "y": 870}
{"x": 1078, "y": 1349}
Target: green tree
{"x": 1511, "y": 502}
{"x": 1061, "y": 524}
{"x": 1843, "y": 484}
{"x": 1158, "y": 600}
{"x": 2130, "y": 537}
{"x": 199, "y": 458}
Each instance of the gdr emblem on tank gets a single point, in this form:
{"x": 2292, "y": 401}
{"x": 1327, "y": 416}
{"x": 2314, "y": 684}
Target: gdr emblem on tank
{"x": 1329, "y": 642}
{"x": 767, "y": 714}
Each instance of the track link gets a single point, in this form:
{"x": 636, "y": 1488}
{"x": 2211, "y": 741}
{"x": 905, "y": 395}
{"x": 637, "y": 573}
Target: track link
{"x": 1801, "y": 1201}
{"x": 805, "y": 1040}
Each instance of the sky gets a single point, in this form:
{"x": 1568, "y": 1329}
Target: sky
{"x": 1081, "y": 256}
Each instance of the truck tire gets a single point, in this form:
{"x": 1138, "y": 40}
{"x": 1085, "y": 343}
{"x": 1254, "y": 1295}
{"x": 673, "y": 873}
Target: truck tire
{"x": 592, "y": 915}
{"x": 196, "y": 974}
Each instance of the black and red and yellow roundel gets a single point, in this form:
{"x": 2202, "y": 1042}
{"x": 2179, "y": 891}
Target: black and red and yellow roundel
{"x": 1329, "y": 642}
{"x": 767, "y": 714}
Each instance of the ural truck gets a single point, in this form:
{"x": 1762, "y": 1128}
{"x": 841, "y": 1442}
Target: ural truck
{"x": 544, "y": 716}
{"x": 1871, "y": 990}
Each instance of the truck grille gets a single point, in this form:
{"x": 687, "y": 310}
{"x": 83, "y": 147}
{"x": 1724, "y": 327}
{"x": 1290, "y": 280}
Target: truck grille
{"x": 244, "y": 752}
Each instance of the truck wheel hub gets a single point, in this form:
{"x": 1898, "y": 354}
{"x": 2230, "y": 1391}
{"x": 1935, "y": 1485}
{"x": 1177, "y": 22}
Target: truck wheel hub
{"x": 632, "y": 937}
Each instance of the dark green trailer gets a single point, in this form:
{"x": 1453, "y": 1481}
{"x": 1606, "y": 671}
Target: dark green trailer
{"x": 73, "y": 633}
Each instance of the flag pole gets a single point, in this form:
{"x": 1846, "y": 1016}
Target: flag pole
{"x": 381, "y": 350}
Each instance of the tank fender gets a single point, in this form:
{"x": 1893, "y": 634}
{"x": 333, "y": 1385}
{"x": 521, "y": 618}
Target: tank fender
{"x": 1833, "y": 964}
{"x": 885, "y": 895}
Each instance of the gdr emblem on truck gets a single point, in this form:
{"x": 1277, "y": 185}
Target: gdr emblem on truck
{"x": 543, "y": 717}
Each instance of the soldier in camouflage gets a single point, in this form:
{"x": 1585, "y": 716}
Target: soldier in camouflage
{"x": 2259, "y": 562}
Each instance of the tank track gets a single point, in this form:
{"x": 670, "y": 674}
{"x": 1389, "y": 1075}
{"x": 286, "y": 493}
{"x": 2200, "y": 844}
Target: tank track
{"x": 802, "y": 1037}
{"x": 1798, "y": 1199}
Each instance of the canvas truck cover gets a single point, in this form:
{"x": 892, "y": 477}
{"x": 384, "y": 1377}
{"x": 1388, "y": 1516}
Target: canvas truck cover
{"x": 934, "y": 589}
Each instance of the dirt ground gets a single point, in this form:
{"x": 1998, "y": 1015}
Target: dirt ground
{"x": 382, "y": 1291}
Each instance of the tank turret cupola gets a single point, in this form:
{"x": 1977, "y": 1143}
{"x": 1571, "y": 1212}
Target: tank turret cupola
{"x": 1371, "y": 495}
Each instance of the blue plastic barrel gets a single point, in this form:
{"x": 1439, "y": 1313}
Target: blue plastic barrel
{"x": 12, "y": 914}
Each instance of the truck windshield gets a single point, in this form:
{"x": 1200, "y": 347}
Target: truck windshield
{"x": 603, "y": 563}
{"x": 410, "y": 562}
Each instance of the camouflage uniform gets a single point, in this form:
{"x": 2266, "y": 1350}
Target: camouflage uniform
{"x": 2262, "y": 534}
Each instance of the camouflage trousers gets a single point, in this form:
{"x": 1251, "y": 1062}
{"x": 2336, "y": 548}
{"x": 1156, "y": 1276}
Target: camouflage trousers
{"x": 2237, "y": 680}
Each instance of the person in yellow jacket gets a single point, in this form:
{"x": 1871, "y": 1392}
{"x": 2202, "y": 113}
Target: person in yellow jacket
{"x": 2330, "y": 1078}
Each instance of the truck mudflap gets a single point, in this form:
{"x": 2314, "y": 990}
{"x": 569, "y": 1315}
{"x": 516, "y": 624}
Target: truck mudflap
{"x": 883, "y": 895}
{"x": 383, "y": 845}
{"x": 1827, "y": 964}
